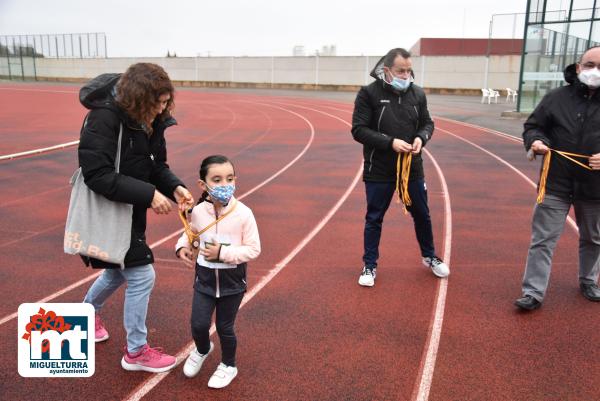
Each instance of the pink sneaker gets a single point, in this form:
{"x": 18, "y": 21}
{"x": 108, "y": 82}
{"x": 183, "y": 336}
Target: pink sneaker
{"x": 149, "y": 360}
{"x": 101, "y": 333}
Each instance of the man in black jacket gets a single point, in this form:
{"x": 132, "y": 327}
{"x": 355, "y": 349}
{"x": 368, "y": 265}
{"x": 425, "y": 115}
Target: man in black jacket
{"x": 391, "y": 118}
{"x": 566, "y": 120}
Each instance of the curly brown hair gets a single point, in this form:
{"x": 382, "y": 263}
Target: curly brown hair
{"x": 139, "y": 89}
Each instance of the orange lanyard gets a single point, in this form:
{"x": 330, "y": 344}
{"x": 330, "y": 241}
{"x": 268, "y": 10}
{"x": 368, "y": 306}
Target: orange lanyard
{"x": 402, "y": 174}
{"x": 193, "y": 236}
{"x": 546, "y": 168}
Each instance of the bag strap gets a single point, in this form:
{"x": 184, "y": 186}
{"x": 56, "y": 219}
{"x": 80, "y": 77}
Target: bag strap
{"x": 118, "y": 158}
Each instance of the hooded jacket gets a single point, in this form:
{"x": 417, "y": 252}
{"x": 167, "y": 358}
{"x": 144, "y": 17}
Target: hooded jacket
{"x": 568, "y": 119}
{"x": 143, "y": 162}
{"x": 381, "y": 113}
{"x": 240, "y": 243}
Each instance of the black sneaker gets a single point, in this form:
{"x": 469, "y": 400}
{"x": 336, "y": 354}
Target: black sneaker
{"x": 527, "y": 302}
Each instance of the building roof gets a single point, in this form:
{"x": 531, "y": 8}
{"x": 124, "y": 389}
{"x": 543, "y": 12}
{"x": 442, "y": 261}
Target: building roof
{"x": 466, "y": 47}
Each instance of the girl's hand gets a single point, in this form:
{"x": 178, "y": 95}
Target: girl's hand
{"x": 211, "y": 252}
{"x": 186, "y": 254}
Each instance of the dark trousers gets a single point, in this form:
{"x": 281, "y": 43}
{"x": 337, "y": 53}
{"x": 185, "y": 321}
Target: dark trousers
{"x": 379, "y": 196}
{"x": 202, "y": 309}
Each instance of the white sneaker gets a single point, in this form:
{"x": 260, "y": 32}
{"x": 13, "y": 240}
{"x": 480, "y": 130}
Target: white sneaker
{"x": 367, "y": 277}
{"x": 222, "y": 376}
{"x": 194, "y": 362}
{"x": 437, "y": 266}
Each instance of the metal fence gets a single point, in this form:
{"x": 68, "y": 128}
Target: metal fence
{"x": 18, "y": 53}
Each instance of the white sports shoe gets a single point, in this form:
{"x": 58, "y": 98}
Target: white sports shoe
{"x": 222, "y": 376}
{"x": 194, "y": 362}
{"x": 437, "y": 266}
{"x": 367, "y": 277}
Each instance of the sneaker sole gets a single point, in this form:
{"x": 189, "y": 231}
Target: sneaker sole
{"x": 134, "y": 367}
{"x": 101, "y": 339}
{"x": 223, "y": 386}
{"x": 189, "y": 376}
{"x": 366, "y": 284}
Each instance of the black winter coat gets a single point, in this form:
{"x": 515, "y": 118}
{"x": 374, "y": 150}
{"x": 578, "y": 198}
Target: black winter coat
{"x": 143, "y": 162}
{"x": 568, "y": 119}
{"x": 381, "y": 114}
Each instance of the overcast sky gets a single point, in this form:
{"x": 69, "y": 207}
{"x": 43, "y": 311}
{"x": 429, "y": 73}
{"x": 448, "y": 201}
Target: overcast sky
{"x": 258, "y": 27}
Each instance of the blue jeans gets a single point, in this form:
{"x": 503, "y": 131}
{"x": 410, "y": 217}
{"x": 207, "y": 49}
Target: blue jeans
{"x": 379, "y": 196}
{"x": 140, "y": 281}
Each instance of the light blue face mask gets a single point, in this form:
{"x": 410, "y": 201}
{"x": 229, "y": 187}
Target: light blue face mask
{"x": 221, "y": 193}
{"x": 400, "y": 84}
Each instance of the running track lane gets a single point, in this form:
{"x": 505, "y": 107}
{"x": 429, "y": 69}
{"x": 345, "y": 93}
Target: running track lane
{"x": 176, "y": 284}
{"x": 489, "y": 350}
{"x": 311, "y": 310}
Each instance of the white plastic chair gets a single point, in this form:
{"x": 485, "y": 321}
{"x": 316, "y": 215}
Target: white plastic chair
{"x": 493, "y": 94}
{"x": 485, "y": 94}
{"x": 511, "y": 93}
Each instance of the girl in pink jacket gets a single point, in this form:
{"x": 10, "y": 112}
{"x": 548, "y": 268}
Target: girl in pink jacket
{"x": 224, "y": 248}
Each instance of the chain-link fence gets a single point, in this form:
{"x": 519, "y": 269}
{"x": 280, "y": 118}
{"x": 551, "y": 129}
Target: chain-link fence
{"x": 19, "y": 52}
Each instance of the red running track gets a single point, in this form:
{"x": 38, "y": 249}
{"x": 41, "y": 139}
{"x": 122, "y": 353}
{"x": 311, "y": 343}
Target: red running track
{"x": 307, "y": 330}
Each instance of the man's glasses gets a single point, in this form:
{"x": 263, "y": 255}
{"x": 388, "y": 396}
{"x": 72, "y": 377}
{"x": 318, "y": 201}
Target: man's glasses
{"x": 589, "y": 65}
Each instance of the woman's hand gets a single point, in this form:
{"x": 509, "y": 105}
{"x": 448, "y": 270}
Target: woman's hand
{"x": 186, "y": 255}
{"x": 160, "y": 203}
{"x": 184, "y": 198}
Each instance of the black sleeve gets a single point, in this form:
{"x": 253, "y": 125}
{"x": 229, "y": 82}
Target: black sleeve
{"x": 536, "y": 125}
{"x": 162, "y": 176}
{"x": 425, "y": 122}
{"x": 361, "y": 122}
{"x": 97, "y": 151}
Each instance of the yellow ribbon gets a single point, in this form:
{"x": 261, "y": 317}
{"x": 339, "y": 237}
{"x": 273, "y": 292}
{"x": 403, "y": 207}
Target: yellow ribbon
{"x": 546, "y": 168}
{"x": 402, "y": 174}
{"x": 193, "y": 237}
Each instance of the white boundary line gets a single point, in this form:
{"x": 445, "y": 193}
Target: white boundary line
{"x": 147, "y": 386}
{"x": 178, "y": 232}
{"x": 38, "y": 90}
{"x": 433, "y": 341}
{"x": 38, "y": 151}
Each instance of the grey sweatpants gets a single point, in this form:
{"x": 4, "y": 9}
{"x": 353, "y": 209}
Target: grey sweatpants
{"x": 548, "y": 222}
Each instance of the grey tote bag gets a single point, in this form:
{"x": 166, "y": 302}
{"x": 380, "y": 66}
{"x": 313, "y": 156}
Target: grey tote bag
{"x": 97, "y": 227}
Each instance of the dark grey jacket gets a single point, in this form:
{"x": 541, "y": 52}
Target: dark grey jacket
{"x": 143, "y": 162}
{"x": 381, "y": 114}
{"x": 568, "y": 119}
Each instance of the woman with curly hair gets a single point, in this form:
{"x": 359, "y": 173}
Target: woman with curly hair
{"x": 137, "y": 103}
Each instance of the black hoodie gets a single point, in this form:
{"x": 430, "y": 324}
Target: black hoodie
{"x": 568, "y": 119}
{"x": 381, "y": 113}
{"x": 143, "y": 161}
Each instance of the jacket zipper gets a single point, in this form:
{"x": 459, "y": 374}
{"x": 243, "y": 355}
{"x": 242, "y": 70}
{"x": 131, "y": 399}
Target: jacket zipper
{"x": 378, "y": 129}
{"x": 217, "y": 284}
{"x": 379, "y": 121}
{"x": 417, "y": 111}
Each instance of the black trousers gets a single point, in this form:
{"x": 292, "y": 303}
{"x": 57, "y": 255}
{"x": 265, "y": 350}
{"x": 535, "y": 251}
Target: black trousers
{"x": 203, "y": 307}
{"x": 379, "y": 196}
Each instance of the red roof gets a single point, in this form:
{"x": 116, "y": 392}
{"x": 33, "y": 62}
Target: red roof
{"x": 466, "y": 47}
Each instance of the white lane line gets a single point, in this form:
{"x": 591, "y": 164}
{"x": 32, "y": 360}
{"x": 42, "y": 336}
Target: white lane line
{"x": 507, "y": 164}
{"x": 39, "y": 151}
{"x": 147, "y": 386}
{"x": 488, "y": 130}
{"x": 38, "y": 90}
{"x": 427, "y": 365}
{"x": 178, "y": 232}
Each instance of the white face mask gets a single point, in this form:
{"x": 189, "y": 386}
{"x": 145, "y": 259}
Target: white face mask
{"x": 590, "y": 77}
